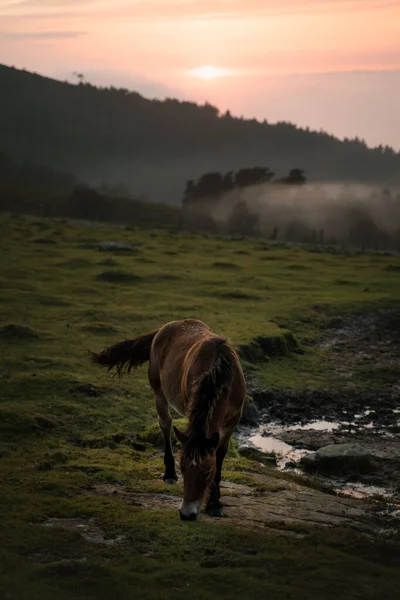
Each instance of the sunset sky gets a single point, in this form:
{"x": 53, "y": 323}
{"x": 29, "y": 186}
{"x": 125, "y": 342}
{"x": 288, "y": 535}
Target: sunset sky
{"x": 331, "y": 64}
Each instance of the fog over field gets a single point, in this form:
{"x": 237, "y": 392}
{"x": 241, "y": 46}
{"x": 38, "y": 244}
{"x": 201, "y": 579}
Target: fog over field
{"x": 331, "y": 212}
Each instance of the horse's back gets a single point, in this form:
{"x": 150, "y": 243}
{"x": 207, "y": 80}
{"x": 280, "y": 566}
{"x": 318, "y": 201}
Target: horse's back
{"x": 181, "y": 352}
{"x": 176, "y": 338}
{"x": 169, "y": 350}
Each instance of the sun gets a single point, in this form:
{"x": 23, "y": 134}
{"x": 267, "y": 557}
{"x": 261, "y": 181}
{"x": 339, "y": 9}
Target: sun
{"x": 209, "y": 72}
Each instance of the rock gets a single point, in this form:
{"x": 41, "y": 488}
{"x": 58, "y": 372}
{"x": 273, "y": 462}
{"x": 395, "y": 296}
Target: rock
{"x": 339, "y": 459}
{"x": 250, "y": 414}
{"x": 116, "y": 247}
{"x": 261, "y": 348}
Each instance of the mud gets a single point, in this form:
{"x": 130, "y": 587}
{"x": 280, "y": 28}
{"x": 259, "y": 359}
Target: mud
{"x": 292, "y": 423}
{"x": 366, "y": 343}
{"x": 354, "y": 409}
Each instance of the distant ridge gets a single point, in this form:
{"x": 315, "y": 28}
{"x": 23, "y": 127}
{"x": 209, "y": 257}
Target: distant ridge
{"x": 113, "y": 135}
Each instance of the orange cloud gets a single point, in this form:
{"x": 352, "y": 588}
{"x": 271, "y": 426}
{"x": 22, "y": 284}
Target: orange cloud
{"x": 42, "y": 35}
{"x": 188, "y": 8}
{"x": 168, "y": 38}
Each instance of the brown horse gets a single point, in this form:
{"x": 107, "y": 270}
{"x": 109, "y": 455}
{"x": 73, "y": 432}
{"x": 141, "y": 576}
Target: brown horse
{"x": 199, "y": 374}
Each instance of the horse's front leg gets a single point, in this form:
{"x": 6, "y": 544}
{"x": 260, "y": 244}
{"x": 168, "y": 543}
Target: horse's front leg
{"x": 214, "y": 507}
{"x": 165, "y": 423}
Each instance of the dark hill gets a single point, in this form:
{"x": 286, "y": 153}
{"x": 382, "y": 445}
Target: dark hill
{"x": 115, "y": 135}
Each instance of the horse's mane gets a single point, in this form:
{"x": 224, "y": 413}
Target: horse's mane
{"x": 206, "y": 391}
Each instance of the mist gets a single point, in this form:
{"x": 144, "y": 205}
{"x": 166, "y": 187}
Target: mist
{"x": 355, "y": 214}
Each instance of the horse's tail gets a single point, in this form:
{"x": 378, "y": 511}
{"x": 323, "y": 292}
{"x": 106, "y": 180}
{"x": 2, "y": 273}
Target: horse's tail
{"x": 220, "y": 357}
{"x": 126, "y": 355}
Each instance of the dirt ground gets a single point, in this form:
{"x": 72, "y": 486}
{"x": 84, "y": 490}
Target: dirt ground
{"x": 288, "y": 507}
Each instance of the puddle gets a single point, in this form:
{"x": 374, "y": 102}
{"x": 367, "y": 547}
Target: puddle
{"x": 360, "y": 490}
{"x": 270, "y": 444}
{"x": 268, "y": 439}
{"x": 316, "y": 426}
{"x": 286, "y": 455}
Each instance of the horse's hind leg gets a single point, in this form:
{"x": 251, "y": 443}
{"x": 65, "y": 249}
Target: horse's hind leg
{"x": 165, "y": 422}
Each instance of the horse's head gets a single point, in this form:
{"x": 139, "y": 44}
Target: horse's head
{"x": 198, "y": 465}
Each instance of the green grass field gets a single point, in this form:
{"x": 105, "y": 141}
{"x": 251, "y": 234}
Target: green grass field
{"x": 66, "y": 426}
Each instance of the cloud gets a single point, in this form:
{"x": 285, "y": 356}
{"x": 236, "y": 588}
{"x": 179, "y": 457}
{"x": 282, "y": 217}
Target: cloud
{"x": 184, "y": 9}
{"x": 168, "y": 38}
{"x": 41, "y": 35}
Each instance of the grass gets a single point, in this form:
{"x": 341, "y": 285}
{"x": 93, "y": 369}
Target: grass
{"x": 67, "y": 427}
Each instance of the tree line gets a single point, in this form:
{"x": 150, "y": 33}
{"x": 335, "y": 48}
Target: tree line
{"x": 214, "y": 185}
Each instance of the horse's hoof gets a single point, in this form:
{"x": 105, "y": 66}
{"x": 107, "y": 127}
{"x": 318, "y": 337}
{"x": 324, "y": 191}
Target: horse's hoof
{"x": 215, "y": 511}
{"x": 170, "y": 480}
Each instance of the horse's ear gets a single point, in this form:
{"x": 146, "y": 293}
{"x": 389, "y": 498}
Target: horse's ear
{"x": 213, "y": 442}
{"x": 181, "y": 437}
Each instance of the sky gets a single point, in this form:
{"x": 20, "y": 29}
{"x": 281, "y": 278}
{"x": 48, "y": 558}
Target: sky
{"x": 326, "y": 64}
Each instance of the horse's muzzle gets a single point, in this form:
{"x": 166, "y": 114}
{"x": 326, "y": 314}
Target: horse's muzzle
{"x": 189, "y": 511}
{"x": 188, "y": 517}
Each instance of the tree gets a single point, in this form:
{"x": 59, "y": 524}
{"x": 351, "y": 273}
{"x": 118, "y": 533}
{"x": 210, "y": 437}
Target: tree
{"x": 210, "y": 186}
{"x": 189, "y": 193}
{"x": 80, "y": 77}
{"x": 227, "y": 181}
{"x": 253, "y": 176}
{"x": 213, "y": 185}
{"x": 295, "y": 177}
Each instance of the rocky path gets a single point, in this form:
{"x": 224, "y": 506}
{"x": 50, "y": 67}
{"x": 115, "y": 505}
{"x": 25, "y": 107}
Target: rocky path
{"x": 271, "y": 503}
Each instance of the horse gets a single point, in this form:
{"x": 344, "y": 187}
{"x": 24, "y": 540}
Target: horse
{"x": 199, "y": 374}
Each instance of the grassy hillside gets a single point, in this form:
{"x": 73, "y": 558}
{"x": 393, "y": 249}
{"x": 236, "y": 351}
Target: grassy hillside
{"x": 67, "y": 428}
{"x": 154, "y": 146}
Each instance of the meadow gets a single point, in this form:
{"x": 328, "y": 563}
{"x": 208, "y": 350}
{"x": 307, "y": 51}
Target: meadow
{"x": 68, "y": 428}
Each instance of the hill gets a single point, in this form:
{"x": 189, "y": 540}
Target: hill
{"x": 115, "y": 135}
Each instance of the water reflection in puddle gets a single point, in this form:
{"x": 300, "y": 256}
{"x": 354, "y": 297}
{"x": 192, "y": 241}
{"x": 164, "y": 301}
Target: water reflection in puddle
{"x": 316, "y": 426}
{"x": 360, "y": 490}
{"x": 270, "y": 444}
{"x": 285, "y": 453}
{"x": 267, "y": 438}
